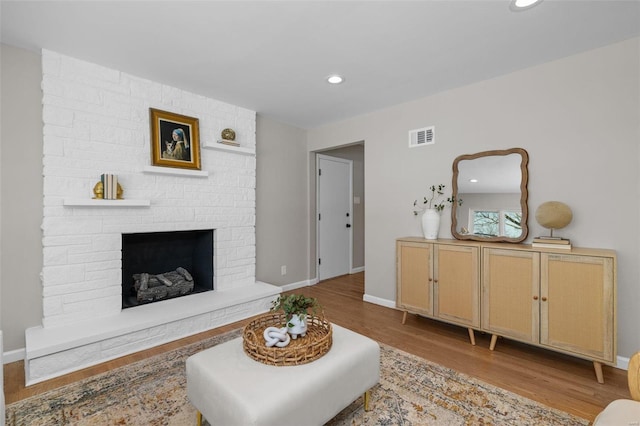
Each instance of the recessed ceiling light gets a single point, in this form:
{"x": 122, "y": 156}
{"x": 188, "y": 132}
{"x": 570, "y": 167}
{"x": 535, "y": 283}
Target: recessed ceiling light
{"x": 473, "y": 180}
{"x": 335, "y": 79}
{"x": 518, "y": 5}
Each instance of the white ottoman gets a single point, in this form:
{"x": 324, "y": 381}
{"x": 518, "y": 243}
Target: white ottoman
{"x": 230, "y": 388}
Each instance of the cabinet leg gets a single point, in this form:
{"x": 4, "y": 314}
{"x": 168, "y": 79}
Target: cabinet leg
{"x": 367, "y": 401}
{"x": 597, "y": 366}
{"x": 494, "y": 339}
{"x": 472, "y": 337}
{"x": 404, "y": 317}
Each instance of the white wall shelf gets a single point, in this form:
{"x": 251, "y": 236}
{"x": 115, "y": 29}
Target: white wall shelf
{"x": 175, "y": 171}
{"x": 229, "y": 148}
{"x": 91, "y": 202}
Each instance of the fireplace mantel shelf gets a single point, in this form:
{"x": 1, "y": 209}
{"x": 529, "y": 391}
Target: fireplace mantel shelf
{"x": 91, "y": 202}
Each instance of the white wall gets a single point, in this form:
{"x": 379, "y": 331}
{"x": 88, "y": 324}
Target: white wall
{"x": 96, "y": 120}
{"x": 577, "y": 117}
{"x": 21, "y": 190}
{"x": 281, "y": 203}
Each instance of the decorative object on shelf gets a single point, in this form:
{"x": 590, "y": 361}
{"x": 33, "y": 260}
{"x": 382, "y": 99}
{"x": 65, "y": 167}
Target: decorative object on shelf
{"x": 552, "y": 243}
{"x": 431, "y": 224}
{"x": 274, "y": 336}
{"x": 98, "y": 191}
{"x": 109, "y": 186}
{"x": 296, "y": 308}
{"x": 432, "y": 206}
{"x": 317, "y": 342}
{"x": 553, "y": 215}
{"x": 228, "y": 135}
{"x": 175, "y": 140}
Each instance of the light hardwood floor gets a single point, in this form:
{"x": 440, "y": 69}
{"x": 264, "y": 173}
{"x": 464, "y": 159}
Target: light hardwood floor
{"x": 557, "y": 380}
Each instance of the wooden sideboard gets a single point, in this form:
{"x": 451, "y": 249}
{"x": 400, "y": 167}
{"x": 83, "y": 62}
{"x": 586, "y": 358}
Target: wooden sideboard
{"x": 563, "y": 300}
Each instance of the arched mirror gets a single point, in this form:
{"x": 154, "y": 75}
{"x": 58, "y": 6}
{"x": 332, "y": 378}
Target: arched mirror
{"x": 491, "y": 189}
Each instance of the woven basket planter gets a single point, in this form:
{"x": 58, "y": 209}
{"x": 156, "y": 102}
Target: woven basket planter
{"x": 302, "y": 350}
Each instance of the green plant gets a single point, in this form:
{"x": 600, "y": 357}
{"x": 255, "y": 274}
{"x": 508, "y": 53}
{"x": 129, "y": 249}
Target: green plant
{"x": 294, "y": 304}
{"x": 435, "y": 200}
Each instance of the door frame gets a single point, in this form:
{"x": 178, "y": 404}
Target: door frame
{"x": 350, "y": 164}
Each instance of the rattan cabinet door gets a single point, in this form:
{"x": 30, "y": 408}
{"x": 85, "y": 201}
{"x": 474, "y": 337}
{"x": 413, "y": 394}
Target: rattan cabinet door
{"x": 456, "y": 289}
{"x": 414, "y": 277}
{"x": 510, "y": 294}
{"x": 577, "y": 305}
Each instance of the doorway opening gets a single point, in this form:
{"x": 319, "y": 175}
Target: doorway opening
{"x": 340, "y": 205}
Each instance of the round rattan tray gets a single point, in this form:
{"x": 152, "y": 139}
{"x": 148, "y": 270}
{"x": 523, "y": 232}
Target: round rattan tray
{"x": 302, "y": 350}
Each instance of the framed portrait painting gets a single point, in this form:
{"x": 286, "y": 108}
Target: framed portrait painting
{"x": 175, "y": 140}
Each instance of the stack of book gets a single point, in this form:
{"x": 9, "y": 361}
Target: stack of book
{"x": 228, "y": 142}
{"x": 110, "y": 186}
{"x": 552, "y": 242}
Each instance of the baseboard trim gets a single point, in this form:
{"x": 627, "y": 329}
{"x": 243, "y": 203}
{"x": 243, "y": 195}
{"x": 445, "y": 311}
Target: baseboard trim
{"x": 357, "y": 270}
{"x": 379, "y": 301}
{"x": 14, "y": 356}
{"x": 622, "y": 363}
{"x": 299, "y": 284}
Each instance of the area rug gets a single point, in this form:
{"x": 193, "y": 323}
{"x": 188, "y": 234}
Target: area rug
{"x": 412, "y": 391}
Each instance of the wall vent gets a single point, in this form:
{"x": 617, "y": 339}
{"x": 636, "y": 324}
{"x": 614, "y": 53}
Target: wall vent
{"x": 422, "y": 137}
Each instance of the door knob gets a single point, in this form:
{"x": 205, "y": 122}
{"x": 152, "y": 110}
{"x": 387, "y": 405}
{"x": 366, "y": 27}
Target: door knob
{"x": 348, "y": 225}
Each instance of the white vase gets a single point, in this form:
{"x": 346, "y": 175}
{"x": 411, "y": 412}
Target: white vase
{"x": 297, "y": 326}
{"x": 431, "y": 224}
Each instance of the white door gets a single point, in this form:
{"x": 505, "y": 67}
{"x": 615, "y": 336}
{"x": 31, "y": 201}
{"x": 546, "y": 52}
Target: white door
{"x": 333, "y": 216}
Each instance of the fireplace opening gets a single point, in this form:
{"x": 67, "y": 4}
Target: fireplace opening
{"x": 160, "y": 265}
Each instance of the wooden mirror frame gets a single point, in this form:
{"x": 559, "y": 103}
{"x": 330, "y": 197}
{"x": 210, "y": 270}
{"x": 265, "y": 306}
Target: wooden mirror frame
{"x": 523, "y": 195}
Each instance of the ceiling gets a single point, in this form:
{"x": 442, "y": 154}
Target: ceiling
{"x": 273, "y": 57}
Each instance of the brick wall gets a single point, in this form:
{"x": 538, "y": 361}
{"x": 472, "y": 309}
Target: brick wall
{"x": 96, "y": 120}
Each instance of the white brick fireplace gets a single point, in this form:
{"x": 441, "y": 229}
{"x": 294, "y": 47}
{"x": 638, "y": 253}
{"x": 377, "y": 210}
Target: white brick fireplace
{"x": 96, "y": 120}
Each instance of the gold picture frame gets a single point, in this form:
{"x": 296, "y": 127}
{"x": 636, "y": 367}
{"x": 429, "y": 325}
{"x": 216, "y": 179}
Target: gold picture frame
{"x": 175, "y": 140}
